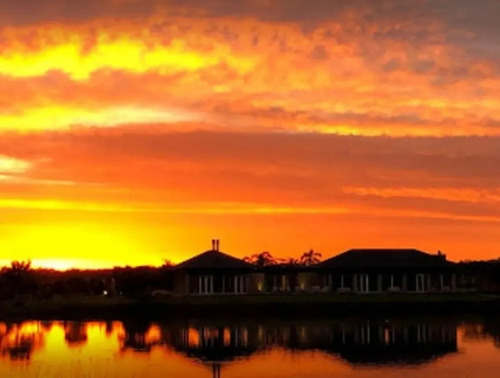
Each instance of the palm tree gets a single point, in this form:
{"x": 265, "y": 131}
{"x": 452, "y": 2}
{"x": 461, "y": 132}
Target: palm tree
{"x": 310, "y": 258}
{"x": 20, "y": 266}
{"x": 19, "y": 277}
{"x": 261, "y": 259}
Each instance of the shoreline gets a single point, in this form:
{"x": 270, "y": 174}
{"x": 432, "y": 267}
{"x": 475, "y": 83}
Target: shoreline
{"x": 248, "y": 306}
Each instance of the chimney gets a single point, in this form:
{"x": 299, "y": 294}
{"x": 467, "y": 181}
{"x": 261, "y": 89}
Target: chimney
{"x": 217, "y": 241}
{"x": 213, "y": 244}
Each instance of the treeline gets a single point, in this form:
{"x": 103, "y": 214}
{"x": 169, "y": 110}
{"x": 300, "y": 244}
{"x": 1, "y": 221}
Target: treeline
{"x": 21, "y": 279}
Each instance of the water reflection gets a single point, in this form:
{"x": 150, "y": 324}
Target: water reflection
{"x": 220, "y": 345}
{"x": 358, "y": 342}
{"x": 75, "y": 333}
{"x": 19, "y": 340}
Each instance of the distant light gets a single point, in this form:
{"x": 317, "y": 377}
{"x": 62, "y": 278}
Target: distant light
{"x": 105, "y": 292}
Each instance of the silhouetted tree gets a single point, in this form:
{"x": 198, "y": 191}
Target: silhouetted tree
{"x": 261, "y": 259}
{"x": 18, "y": 278}
{"x": 310, "y": 258}
{"x": 290, "y": 261}
{"x": 167, "y": 263}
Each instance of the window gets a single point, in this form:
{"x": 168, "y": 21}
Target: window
{"x": 363, "y": 283}
{"x": 420, "y": 282}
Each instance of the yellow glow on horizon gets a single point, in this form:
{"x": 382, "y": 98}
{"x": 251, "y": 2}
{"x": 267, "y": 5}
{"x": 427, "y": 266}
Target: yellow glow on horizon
{"x": 80, "y": 246}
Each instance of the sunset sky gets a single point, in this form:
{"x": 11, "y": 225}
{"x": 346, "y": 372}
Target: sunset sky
{"x": 134, "y": 131}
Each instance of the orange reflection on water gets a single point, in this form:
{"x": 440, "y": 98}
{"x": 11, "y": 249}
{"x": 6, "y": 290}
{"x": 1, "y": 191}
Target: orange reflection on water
{"x": 312, "y": 349}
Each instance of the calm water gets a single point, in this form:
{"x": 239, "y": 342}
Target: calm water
{"x": 347, "y": 348}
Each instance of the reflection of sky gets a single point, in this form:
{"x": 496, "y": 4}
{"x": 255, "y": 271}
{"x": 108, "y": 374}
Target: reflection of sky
{"x": 72, "y": 349}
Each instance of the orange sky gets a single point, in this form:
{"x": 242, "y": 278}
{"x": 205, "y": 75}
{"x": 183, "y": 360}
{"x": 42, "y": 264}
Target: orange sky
{"x": 137, "y": 130}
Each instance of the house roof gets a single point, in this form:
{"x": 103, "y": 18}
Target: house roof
{"x": 355, "y": 258}
{"x": 213, "y": 259}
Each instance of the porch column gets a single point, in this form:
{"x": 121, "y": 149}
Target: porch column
{"x": 242, "y": 287}
{"x": 441, "y": 282}
{"x": 404, "y": 283}
{"x": 211, "y": 284}
{"x": 235, "y": 279}
{"x": 355, "y": 283}
{"x": 429, "y": 283}
{"x": 199, "y": 285}
{"x": 223, "y": 284}
{"x": 341, "y": 281}
{"x": 453, "y": 282}
{"x": 379, "y": 283}
{"x": 392, "y": 281}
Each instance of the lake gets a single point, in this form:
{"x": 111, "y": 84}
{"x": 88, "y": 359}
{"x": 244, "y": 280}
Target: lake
{"x": 354, "y": 348}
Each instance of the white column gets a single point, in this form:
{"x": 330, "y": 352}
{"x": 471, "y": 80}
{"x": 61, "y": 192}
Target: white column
{"x": 199, "y": 284}
{"x": 235, "y": 279}
{"x": 441, "y": 282}
{"x": 341, "y": 281}
{"x": 392, "y": 280}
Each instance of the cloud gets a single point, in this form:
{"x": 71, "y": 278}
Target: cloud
{"x": 11, "y": 165}
{"x": 343, "y": 67}
{"x": 160, "y": 169}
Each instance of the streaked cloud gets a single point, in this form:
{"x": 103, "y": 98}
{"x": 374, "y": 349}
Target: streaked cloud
{"x": 11, "y": 165}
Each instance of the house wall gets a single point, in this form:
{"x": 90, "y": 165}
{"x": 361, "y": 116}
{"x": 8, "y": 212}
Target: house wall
{"x": 180, "y": 283}
{"x": 256, "y": 282}
{"x": 399, "y": 280}
{"x": 308, "y": 281}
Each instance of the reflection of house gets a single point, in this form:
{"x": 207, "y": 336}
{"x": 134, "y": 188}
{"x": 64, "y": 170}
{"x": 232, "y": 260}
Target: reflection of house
{"x": 387, "y": 270}
{"x": 357, "y": 342}
{"x": 404, "y": 343}
{"x": 213, "y": 272}
{"x": 213, "y": 343}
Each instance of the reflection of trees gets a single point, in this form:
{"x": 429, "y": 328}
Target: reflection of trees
{"x": 75, "y": 333}
{"x": 18, "y": 341}
{"x": 135, "y": 336}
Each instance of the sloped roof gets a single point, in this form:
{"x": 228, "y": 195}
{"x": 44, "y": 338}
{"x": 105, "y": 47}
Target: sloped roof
{"x": 355, "y": 258}
{"x": 214, "y": 260}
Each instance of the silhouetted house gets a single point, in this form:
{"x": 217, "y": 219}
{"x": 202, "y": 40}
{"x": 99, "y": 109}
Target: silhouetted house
{"x": 278, "y": 278}
{"x": 387, "y": 270}
{"x": 213, "y": 272}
